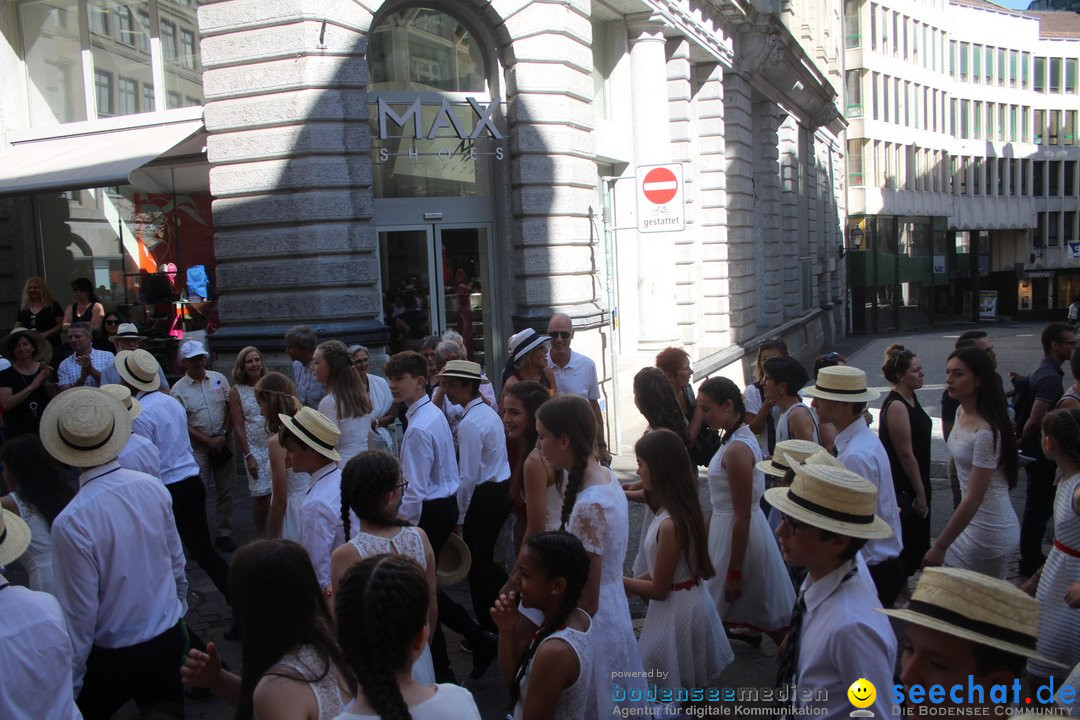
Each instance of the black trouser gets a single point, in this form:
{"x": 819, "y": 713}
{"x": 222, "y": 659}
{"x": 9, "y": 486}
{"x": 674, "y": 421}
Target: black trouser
{"x": 1038, "y": 509}
{"x": 484, "y": 519}
{"x": 437, "y": 520}
{"x": 888, "y": 577}
{"x": 189, "y": 510}
{"x": 148, "y": 673}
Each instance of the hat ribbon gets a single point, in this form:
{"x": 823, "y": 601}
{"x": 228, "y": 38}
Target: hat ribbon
{"x": 979, "y": 626}
{"x": 317, "y": 441}
{"x": 84, "y": 448}
{"x": 840, "y": 391}
{"x": 3, "y": 536}
{"x": 778, "y": 466}
{"x": 127, "y": 366}
{"x": 829, "y": 512}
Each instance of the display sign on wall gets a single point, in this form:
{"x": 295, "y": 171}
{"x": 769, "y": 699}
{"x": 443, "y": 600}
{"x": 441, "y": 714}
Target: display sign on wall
{"x": 987, "y": 304}
{"x": 1074, "y": 250}
{"x": 661, "y": 206}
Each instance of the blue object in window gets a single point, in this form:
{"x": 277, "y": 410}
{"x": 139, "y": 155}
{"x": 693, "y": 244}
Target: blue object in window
{"x": 198, "y": 284}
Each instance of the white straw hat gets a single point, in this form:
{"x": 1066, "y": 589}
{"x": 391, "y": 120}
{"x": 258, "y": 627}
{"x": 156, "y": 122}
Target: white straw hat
{"x": 84, "y": 427}
{"x": 14, "y": 537}
{"x": 123, "y": 395}
{"x": 842, "y": 383}
{"x": 139, "y": 369}
{"x": 524, "y": 343}
{"x": 786, "y": 453}
{"x": 315, "y": 430}
{"x": 831, "y": 499}
{"x": 464, "y": 369}
{"x": 42, "y": 347}
{"x": 454, "y": 561}
{"x": 974, "y": 607}
{"x": 127, "y": 331}
{"x": 824, "y": 457}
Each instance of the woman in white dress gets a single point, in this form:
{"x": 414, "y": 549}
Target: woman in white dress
{"x": 371, "y": 486}
{"x": 251, "y": 437}
{"x": 38, "y": 489}
{"x": 751, "y": 587}
{"x": 378, "y": 390}
{"x": 983, "y": 531}
{"x": 595, "y": 509}
{"x": 276, "y": 395}
{"x": 346, "y": 402}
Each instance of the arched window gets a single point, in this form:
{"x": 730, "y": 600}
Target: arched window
{"x": 425, "y": 50}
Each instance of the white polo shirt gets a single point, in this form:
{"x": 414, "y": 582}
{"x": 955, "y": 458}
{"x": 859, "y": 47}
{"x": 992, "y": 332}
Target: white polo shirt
{"x": 859, "y": 450}
{"x": 578, "y": 377}
{"x": 481, "y": 451}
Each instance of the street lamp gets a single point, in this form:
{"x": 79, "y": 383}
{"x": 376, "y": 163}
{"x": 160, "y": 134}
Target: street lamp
{"x": 855, "y": 236}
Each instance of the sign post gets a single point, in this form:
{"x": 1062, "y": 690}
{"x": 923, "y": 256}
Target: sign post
{"x": 660, "y": 203}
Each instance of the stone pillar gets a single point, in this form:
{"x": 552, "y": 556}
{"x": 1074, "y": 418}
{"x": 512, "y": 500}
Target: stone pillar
{"x": 716, "y": 269}
{"x": 648, "y": 87}
{"x": 290, "y": 149}
{"x": 793, "y": 227}
{"x": 767, "y": 213}
{"x": 684, "y": 149}
{"x": 739, "y": 191}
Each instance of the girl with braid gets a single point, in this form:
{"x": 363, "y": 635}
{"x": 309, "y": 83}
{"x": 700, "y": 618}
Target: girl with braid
{"x": 595, "y": 510}
{"x": 293, "y": 669}
{"x": 751, "y": 587}
{"x": 383, "y": 605}
{"x": 551, "y": 677}
{"x": 371, "y": 486}
{"x": 683, "y": 635}
{"x": 1059, "y": 624}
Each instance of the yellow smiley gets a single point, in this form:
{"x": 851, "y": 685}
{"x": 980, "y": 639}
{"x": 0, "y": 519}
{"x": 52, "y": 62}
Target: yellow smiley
{"x": 862, "y": 693}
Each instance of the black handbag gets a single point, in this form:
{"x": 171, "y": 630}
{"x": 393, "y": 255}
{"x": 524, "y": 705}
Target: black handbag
{"x": 221, "y": 456}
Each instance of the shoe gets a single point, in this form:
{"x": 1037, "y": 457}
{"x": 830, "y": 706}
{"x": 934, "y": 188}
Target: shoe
{"x": 751, "y": 639}
{"x": 485, "y": 647}
{"x": 225, "y": 544}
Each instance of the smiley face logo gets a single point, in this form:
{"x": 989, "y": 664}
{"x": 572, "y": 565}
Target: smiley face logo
{"x": 862, "y": 693}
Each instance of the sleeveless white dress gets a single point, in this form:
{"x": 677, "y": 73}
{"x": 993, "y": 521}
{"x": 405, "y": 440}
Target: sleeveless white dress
{"x": 305, "y": 662}
{"x": 573, "y": 699}
{"x": 258, "y": 440}
{"x": 683, "y": 635}
{"x": 297, "y": 485}
{"x": 1059, "y": 625}
{"x": 600, "y": 519}
{"x": 767, "y": 596}
{"x": 409, "y": 544}
{"x": 38, "y": 559}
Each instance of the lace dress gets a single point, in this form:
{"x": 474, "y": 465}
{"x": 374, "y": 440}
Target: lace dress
{"x": 1059, "y": 625}
{"x": 255, "y": 430}
{"x": 408, "y": 543}
{"x": 993, "y": 534}
{"x": 600, "y": 519}
{"x": 573, "y": 699}
{"x": 297, "y": 485}
{"x": 683, "y": 635}
{"x": 305, "y": 662}
{"x": 37, "y": 560}
{"x": 767, "y": 596}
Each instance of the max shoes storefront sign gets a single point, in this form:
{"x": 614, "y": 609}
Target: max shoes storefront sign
{"x": 446, "y": 124}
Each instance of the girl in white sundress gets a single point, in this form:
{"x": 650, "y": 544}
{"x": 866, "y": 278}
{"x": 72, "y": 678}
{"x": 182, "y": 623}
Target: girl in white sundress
{"x": 552, "y": 675}
{"x": 346, "y": 402}
{"x": 683, "y": 639}
{"x": 595, "y": 510}
{"x": 751, "y": 587}
{"x": 251, "y": 437}
{"x": 276, "y": 395}
{"x": 371, "y": 486}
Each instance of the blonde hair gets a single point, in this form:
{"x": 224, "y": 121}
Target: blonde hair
{"x": 46, "y": 294}
{"x": 278, "y": 394}
{"x": 239, "y": 377}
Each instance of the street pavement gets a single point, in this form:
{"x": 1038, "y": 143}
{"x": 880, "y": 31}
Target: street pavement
{"x": 1017, "y": 347}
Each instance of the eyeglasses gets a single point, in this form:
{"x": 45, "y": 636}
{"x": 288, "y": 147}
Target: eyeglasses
{"x": 404, "y": 485}
{"x": 561, "y": 334}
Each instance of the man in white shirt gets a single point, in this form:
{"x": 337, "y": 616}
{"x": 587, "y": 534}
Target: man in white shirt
{"x": 300, "y": 344}
{"x": 205, "y": 396}
{"x": 139, "y": 454}
{"x": 127, "y": 337}
{"x": 840, "y": 395}
{"x": 118, "y": 562}
{"x": 163, "y": 421}
{"x": 836, "y": 636}
{"x": 84, "y": 366}
{"x": 575, "y": 374}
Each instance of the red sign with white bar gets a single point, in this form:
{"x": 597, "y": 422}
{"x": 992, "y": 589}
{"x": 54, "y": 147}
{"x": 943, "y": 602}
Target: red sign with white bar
{"x": 660, "y": 204}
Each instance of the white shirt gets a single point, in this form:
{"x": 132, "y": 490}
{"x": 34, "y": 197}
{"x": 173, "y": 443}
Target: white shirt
{"x": 110, "y": 376}
{"x": 140, "y": 455}
{"x": 163, "y": 421}
{"x": 481, "y": 451}
{"x": 578, "y": 377}
{"x": 321, "y": 530}
{"x": 70, "y": 371}
{"x": 427, "y": 459}
{"x": 36, "y": 655}
{"x": 309, "y": 390}
{"x": 206, "y": 401}
{"x": 354, "y": 430}
{"x": 118, "y": 562}
{"x": 858, "y": 448}
{"x": 843, "y": 639}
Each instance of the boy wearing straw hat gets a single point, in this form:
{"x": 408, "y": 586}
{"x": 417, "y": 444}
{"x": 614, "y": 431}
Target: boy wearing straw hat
{"x": 835, "y": 637}
{"x": 840, "y": 396}
{"x": 117, "y": 530}
{"x": 139, "y": 454}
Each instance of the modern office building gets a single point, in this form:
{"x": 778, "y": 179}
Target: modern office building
{"x": 962, "y": 161}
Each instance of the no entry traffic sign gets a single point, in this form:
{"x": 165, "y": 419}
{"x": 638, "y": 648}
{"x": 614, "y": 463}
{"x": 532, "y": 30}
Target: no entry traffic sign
{"x": 660, "y": 206}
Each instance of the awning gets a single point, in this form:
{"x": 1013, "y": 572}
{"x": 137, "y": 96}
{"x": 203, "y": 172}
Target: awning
{"x": 87, "y": 160}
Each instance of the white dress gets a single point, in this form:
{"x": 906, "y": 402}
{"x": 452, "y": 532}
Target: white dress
{"x": 381, "y": 401}
{"x": 37, "y": 560}
{"x": 409, "y": 544}
{"x": 449, "y": 701}
{"x": 1059, "y": 625}
{"x": 993, "y": 534}
{"x": 767, "y": 596}
{"x": 297, "y": 485}
{"x": 354, "y": 430}
{"x": 683, "y": 635}
{"x": 601, "y": 521}
{"x": 305, "y": 662}
{"x": 257, "y": 439}
{"x": 573, "y": 699}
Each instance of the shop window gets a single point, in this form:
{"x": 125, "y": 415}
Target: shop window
{"x": 52, "y": 56}
{"x": 1040, "y": 74}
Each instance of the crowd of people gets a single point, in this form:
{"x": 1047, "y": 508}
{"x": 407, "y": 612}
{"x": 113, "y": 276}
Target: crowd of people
{"x": 360, "y": 480}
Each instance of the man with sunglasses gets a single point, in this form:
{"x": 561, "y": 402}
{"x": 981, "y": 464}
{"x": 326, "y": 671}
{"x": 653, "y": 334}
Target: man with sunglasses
{"x": 575, "y": 374}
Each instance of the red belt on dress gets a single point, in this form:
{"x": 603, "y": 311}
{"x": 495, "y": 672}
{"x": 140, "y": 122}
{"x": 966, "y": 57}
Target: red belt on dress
{"x": 685, "y": 585}
{"x": 1066, "y": 549}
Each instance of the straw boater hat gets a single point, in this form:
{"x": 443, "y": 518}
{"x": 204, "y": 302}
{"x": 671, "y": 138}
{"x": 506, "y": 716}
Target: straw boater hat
{"x": 823, "y": 457}
{"x": 524, "y": 343}
{"x": 42, "y": 347}
{"x": 14, "y": 537}
{"x": 127, "y": 331}
{"x": 786, "y": 453}
{"x": 974, "y": 607}
{"x": 842, "y": 383}
{"x": 122, "y": 394}
{"x": 831, "y": 499}
{"x": 315, "y": 430}
{"x": 464, "y": 369}
{"x": 139, "y": 369}
{"x": 85, "y": 427}
{"x": 454, "y": 561}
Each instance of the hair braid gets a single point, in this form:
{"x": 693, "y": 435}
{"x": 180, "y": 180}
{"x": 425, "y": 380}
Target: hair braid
{"x": 1064, "y": 426}
{"x": 574, "y": 478}
{"x": 346, "y": 502}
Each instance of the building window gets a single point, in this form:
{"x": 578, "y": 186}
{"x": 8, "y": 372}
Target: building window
{"x": 976, "y": 132}
{"x": 964, "y": 53}
{"x": 853, "y": 93}
{"x": 1024, "y": 167}
{"x": 852, "y": 36}
{"x": 873, "y": 27}
{"x": 168, "y": 39}
{"x": 1001, "y": 127}
{"x": 1013, "y": 129}
{"x": 976, "y": 63}
{"x": 1024, "y": 134}
{"x": 103, "y": 84}
{"x": 1053, "y": 185}
{"x": 1068, "y": 130}
{"x": 99, "y": 19}
{"x": 874, "y": 95}
{"x": 129, "y": 96}
{"x": 988, "y": 66}
{"x": 187, "y": 49}
{"x": 897, "y": 100}
{"x": 1070, "y": 75}
{"x": 1017, "y": 168}
{"x": 1053, "y": 222}
{"x": 1014, "y": 69}
{"x": 884, "y": 99}
{"x": 1055, "y": 75}
{"x": 148, "y": 98}
{"x": 855, "y": 163}
{"x": 1070, "y": 178}
{"x": 1040, "y": 74}
{"x": 172, "y": 99}
{"x": 1025, "y": 67}
{"x": 965, "y": 109}
{"x": 1040, "y": 126}
{"x": 1069, "y": 234}
{"x": 1054, "y": 118}
{"x": 1001, "y": 66}
{"x": 1037, "y": 178}
{"x": 125, "y": 25}
{"x": 1038, "y": 239}
{"x": 977, "y": 176}
{"x": 142, "y": 37}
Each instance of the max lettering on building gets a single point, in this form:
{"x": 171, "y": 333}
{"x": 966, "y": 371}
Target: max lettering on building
{"x": 445, "y": 118}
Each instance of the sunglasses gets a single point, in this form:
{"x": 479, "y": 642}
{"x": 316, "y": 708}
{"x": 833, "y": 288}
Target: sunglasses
{"x": 561, "y": 334}
{"x": 112, "y": 322}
